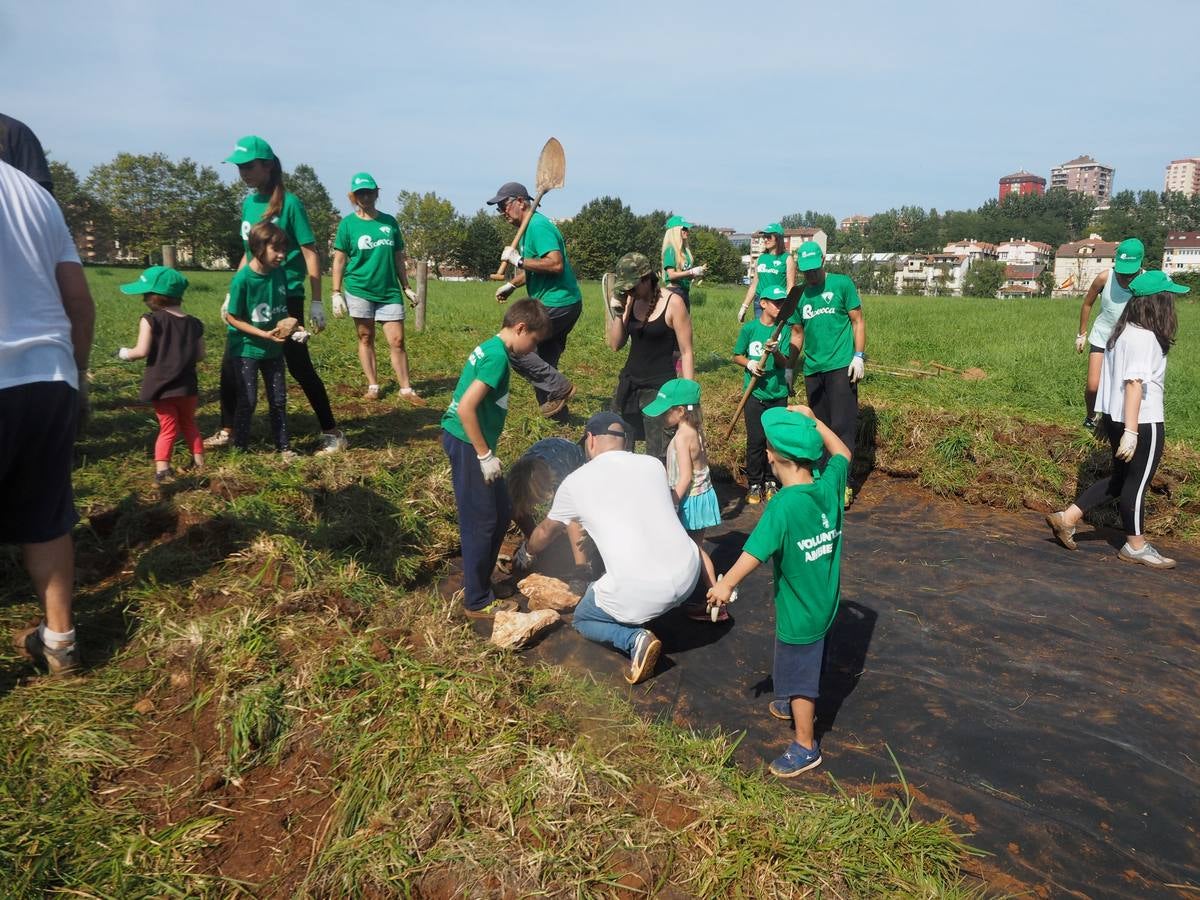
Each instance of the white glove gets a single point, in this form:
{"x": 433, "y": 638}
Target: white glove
{"x": 1080, "y": 342}
{"x": 742, "y": 312}
{"x": 1127, "y": 446}
{"x": 696, "y": 271}
{"x": 770, "y": 347}
{"x": 123, "y": 353}
{"x": 338, "y": 303}
{"x": 316, "y": 315}
{"x": 512, "y": 257}
{"x": 855, "y": 370}
{"x": 411, "y": 295}
{"x": 300, "y": 336}
{"x": 489, "y": 465}
{"x": 617, "y": 304}
{"x": 753, "y": 368}
{"x": 225, "y": 308}
{"x": 504, "y": 291}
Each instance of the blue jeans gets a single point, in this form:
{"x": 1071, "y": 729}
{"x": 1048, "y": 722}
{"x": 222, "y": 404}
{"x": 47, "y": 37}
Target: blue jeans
{"x": 597, "y": 625}
{"x": 483, "y": 516}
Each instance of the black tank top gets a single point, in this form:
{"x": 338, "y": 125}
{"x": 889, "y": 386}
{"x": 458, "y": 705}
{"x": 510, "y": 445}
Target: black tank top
{"x": 174, "y": 346}
{"x": 651, "y": 350}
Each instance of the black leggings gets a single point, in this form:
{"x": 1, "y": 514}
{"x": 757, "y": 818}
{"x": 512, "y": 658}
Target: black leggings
{"x": 247, "y": 399}
{"x": 1129, "y": 481}
{"x": 299, "y": 364}
{"x": 833, "y": 398}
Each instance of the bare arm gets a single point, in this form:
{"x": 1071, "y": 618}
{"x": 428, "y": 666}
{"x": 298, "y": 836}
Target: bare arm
{"x": 719, "y": 593}
{"x": 339, "y": 270}
{"x": 791, "y": 271}
{"x": 402, "y": 268}
{"x": 141, "y": 349}
{"x": 749, "y": 298}
{"x": 618, "y": 327}
{"x": 80, "y": 309}
{"x": 468, "y": 406}
{"x": 1133, "y": 403}
{"x": 246, "y": 328}
{"x": 312, "y": 262}
{"x": 685, "y": 446}
{"x": 543, "y": 536}
{"x": 833, "y": 444}
{"x": 680, "y": 322}
{"x": 1085, "y": 311}
{"x": 859, "y": 326}
{"x": 550, "y": 264}
{"x": 575, "y": 535}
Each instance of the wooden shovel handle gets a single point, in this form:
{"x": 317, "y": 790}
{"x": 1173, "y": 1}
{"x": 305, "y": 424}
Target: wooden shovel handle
{"x": 501, "y": 274}
{"x": 754, "y": 379}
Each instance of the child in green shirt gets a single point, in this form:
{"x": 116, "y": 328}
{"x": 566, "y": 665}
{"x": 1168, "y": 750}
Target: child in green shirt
{"x": 800, "y": 532}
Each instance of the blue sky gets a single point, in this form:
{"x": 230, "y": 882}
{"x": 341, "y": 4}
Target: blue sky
{"x": 732, "y": 114}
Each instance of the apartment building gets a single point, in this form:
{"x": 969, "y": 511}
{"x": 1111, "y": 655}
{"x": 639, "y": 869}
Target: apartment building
{"x": 1183, "y": 176}
{"x": 1019, "y": 251}
{"x": 1078, "y": 263}
{"x": 1021, "y": 183}
{"x": 1085, "y": 175}
{"x": 1181, "y": 252}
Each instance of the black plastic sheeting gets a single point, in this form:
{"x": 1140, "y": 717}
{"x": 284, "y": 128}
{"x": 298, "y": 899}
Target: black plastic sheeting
{"x": 1046, "y": 701}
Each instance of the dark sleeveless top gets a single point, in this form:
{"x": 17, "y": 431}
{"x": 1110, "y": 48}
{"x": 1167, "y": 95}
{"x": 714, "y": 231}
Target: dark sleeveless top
{"x": 174, "y": 347}
{"x": 651, "y": 360}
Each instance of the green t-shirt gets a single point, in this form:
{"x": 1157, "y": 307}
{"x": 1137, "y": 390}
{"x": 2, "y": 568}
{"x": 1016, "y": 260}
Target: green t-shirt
{"x": 669, "y": 262}
{"x": 750, "y": 340}
{"x": 540, "y": 238}
{"x": 370, "y": 246}
{"x": 772, "y": 272}
{"x": 824, "y": 314}
{"x": 487, "y": 363}
{"x": 260, "y": 300}
{"x": 801, "y": 533}
{"x": 294, "y": 221}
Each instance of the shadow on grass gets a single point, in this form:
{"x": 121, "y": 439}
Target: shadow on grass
{"x": 358, "y": 522}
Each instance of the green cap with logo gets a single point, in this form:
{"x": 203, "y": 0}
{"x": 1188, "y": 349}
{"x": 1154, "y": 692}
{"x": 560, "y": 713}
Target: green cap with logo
{"x": 631, "y": 268}
{"x": 248, "y": 149}
{"x": 773, "y": 228}
{"x": 1155, "y": 282}
{"x": 676, "y": 392}
{"x": 678, "y": 222}
{"x": 1129, "y": 256}
{"x": 363, "y": 182}
{"x": 158, "y": 280}
{"x": 792, "y": 434}
{"x": 809, "y": 256}
{"x": 776, "y": 293}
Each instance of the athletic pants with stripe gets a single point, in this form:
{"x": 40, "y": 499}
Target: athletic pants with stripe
{"x": 1129, "y": 481}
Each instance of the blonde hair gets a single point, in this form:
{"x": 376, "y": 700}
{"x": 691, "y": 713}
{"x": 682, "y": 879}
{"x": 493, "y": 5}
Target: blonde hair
{"x": 677, "y": 241}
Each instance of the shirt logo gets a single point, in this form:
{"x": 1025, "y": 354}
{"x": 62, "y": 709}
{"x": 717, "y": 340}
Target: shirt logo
{"x": 755, "y": 349}
{"x": 386, "y": 229}
{"x": 825, "y": 521}
{"x": 811, "y": 312}
{"x": 819, "y": 544}
{"x": 502, "y": 402}
{"x": 261, "y": 313}
{"x": 241, "y": 148}
{"x": 245, "y": 230}
{"x": 367, "y": 243}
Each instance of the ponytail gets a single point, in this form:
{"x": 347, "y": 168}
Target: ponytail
{"x": 274, "y": 187}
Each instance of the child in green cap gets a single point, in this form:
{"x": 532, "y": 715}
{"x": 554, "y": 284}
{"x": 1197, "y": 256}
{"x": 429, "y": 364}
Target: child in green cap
{"x": 800, "y": 532}
{"x": 172, "y": 343}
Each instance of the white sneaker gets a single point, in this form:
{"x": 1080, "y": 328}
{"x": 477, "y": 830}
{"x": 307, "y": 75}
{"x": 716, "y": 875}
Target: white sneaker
{"x": 1147, "y": 556}
{"x": 289, "y": 456}
{"x": 220, "y": 438}
{"x": 331, "y": 443}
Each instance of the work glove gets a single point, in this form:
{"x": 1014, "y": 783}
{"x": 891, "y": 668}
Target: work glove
{"x": 489, "y": 465}
{"x": 338, "y": 303}
{"x": 770, "y": 347}
{"x": 742, "y": 312}
{"x": 316, "y": 315}
{"x": 411, "y": 295}
{"x": 505, "y": 291}
{"x": 617, "y": 304}
{"x": 1080, "y": 342}
{"x": 523, "y": 559}
{"x": 753, "y": 368}
{"x": 225, "y": 308}
{"x": 696, "y": 271}
{"x": 123, "y": 354}
{"x": 1128, "y": 445}
{"x": 512, "y": 257}
{"x": 855, "y": 370}
{"x": 300, "y": 336}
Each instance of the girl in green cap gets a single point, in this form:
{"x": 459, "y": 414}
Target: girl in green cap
{"x": 774, "y": 267}
{"x": 368, "y": 260}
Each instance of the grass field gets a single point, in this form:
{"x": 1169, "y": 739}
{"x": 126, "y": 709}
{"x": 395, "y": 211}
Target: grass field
{"x": 278, "y": 703}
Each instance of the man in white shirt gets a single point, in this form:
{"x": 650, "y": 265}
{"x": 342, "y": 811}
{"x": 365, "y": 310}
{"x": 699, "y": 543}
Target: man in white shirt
{"x": 46, "y": 323}
{"x": 624, "y": 503}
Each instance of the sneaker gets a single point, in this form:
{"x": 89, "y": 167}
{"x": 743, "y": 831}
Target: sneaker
{"x": 1063, "y": 533}
{"x": 60, "y": 661}
{"x": 646, "y": 648}
{"x": 289, "y": 456}
{"x": 1089, "y": 423}
{"x": 797, "y": 759}
{"x": 770, "y": 489}
{"x": 556, "y": 405}
{"x": 1147, "y": 556}
{"x": 489, "y": 611}
{"x": 219, "y": 438}
{"x": 754, "y": 495}
{"x": 372, "y": 392}
{"x": 165, "y": 477}
{"x": 411, "y": 396}
{"x": 781, "y": 709}
{"x": 331, "y": 442}
{"x": 849, "y": 498}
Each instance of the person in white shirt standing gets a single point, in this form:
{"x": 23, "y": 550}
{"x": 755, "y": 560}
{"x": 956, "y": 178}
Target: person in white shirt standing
{"x": 1129, "y": 401}
{"x": 47, "y": 319}
{"x": 650, "y": 564}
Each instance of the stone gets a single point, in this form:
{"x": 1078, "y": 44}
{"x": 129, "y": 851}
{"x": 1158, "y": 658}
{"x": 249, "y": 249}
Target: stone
{"x": 513, "y": 630}
{"x": 545, "y": 592}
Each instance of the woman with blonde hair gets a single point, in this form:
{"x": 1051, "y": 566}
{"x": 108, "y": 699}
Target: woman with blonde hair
{"x": 677, "y": 263}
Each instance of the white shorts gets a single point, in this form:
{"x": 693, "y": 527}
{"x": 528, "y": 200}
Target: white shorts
{"x": 369, "y": 309}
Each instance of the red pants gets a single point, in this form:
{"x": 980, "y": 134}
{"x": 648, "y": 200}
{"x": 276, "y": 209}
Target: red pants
{"x": 175, "y": 415}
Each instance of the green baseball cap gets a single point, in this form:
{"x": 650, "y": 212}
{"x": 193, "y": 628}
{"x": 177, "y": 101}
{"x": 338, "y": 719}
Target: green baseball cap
{"x": 809, "y": 256}
{"x": 1155, "y": 281}
{"x": 773, "y": 228}
{"x": 792, "y": 434}
{"x": 631, "y": 268}
{"x": 677, "y": 222}
{"x": 363, "y": 182}
{"x": 158, "y": 280}
{"x": 676, "y": 392}
{"x": 248, "y": 149}
{"x": 1129, "y": 256}
{"x": 775, "y": 293}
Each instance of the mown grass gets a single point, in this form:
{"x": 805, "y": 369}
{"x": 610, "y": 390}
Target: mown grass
{"x": 282, "y": 617}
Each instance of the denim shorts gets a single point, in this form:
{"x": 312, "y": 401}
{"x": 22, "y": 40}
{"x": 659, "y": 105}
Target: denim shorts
{"x": 369, "y": 309}
{"x": 798, "y": 669}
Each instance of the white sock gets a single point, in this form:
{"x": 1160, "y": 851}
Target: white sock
{"x": 372, "y": 387}
{"x": 55, "y": 640}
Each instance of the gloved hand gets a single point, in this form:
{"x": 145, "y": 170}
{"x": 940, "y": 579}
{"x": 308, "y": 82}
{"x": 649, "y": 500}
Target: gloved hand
{"x": 855, "y": 369}
{"x": 411, "y": 295}
{"x": 523, "y": 559}
{"x": 617, "y": 304}
{"x": 316, "y": 315}
{"x": 300, "y": 336}
{"x": 338, "y": 303}
{"x": 742, "y": 312}
{"x": 770, "y": 347}
{"x": 489, "y": 465}
{"x": 1128, "y": 445}
{"x": 697, "y": 271}
{"x": 505, "y": 291}
{"x": 753, "y": 368}
{"x": 123, "y": 354}
{"x": 1080, "y": 342}
{"x": 225, "y": 308}
{"x": 512, "y": 257}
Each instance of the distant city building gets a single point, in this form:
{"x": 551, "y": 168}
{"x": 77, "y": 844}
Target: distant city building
{"x": 1181, "y": 252}
{"x": 972, "y": 249}
{"x": 1021, "y": 280}
{"x": 854, "y": 223}
{"x": 1022, "y": 182}
{"x": 1183, "y": 176}
{"x": 1016, "y": 251}
{"x": 933, "y": 274}
{"x": 1077, "y": 264}
{"x": 1085, "y": 175}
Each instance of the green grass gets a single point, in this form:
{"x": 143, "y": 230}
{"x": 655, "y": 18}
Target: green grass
{"x": 281, "y": 620}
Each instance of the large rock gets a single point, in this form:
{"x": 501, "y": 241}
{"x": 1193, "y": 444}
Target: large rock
{"x": 545, "y": 592}
{"x": 513, "y": 630}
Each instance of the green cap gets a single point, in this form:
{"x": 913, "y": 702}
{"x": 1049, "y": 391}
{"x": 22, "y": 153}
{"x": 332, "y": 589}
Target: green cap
{"x": 1155, "y": 282}
{"x": 631, "y": 268}
{"x": 248, "y": 149}
{"x": 809, "y": 256}
{"x": 773, "y": 228}
{"x": 792, "y": 434}
{"x": 158, "y": 280}
{"x": 678, "y": 222}
{"x": 775, "y": 293}
{"x": 363, "y": 182}
{"x": 1129, "y": 256}
{"x": 676, "y": 392}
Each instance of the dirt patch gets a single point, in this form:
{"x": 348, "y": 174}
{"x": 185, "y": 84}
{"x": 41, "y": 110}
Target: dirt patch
{"x": 659, "y": 805}
{"x": 974, "y": 374}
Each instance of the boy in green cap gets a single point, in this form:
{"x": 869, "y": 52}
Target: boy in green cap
{"x": 800, "y": 532}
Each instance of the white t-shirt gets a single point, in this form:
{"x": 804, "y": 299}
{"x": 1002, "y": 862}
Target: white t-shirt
{"x": 623, "y": 502}
{"x": 35, "y": 333}
{"x": 1136, "y": 355}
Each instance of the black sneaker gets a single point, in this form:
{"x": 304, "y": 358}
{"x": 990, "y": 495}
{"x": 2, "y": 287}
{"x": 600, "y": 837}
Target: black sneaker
{"x": 1089, "y": 423}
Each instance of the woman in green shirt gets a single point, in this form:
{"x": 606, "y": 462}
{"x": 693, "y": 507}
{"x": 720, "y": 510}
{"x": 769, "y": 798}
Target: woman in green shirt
{"x": 773, "y": 267}
{"x": 677, "y": 263}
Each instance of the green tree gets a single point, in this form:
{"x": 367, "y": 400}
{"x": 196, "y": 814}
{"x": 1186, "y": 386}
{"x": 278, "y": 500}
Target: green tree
{"x": 433, "y": 230}
{"x": 323, "y": 216}
{"x": 602, "y": 232}
{"x": 483, "y": 239}
{"x": 984, "y": 278}
{"x": 207, "y": 210}
{"x": 810, "y": 219}
{"x": 137, "y": 194}
{"x": 714, "y": 249}
{"x": 86, "y": 218}
{"x": 1046, "y": 282}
